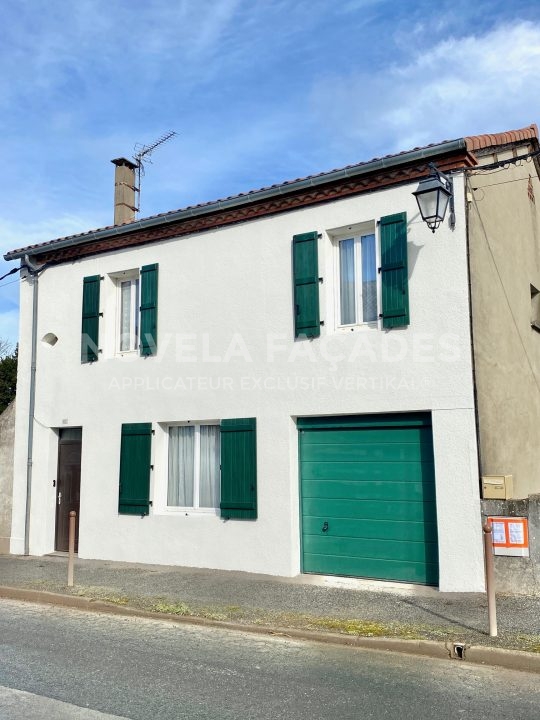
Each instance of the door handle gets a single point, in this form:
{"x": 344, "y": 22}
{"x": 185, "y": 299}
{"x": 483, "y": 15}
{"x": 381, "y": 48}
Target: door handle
{"x": 325, "y": 526}
{"x": 59, "y": 498}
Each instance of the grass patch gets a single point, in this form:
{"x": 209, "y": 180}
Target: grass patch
{"x": 290, "y": 619}
{"x": 115, "y": 599}
{"x": 87, "y": 591}
{"x": 101, "y": 594}
{"x": 180, "y": 608}
{"x": 169, "y": 608}
{"x": 353, "y": 627}
{"x": 364, "y": 628}
{"x": 530, "y": 643}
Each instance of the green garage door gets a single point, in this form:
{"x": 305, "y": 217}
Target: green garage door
{"x": 368, "y": 497}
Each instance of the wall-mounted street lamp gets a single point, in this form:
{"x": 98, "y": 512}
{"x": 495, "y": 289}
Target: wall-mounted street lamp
{"x": 433, "y": 196}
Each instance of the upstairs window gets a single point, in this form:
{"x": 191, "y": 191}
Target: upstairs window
{"x": 128, "y": 311}
{"x": 357, "y": 279}
{"x": 366, "y": 292}
{"x": 135, "y": 310}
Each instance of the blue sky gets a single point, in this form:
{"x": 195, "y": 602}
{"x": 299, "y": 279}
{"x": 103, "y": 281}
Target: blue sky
{"x": 259, "y": 91}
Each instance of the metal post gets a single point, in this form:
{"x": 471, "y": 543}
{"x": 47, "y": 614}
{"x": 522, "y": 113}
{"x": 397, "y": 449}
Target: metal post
{"x": 71, "y": 555}
{"x": 490, "y": 579}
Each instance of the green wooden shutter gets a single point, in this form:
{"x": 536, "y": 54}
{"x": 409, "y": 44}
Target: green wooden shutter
{"x": 306, "y": 285}
{"x": 149, "y": 295}
{"x": 238, "y": 469}
{"x": 90, "y": 319}
{"x": 134, "y": 495}
{"x": 394, "y": 271}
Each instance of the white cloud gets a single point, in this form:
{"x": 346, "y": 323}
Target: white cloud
{"x": 81, "y": 83}
{"x": 71, "y": 50}
{"x": 461, "y": 86}
{"x": 215, "y": 25}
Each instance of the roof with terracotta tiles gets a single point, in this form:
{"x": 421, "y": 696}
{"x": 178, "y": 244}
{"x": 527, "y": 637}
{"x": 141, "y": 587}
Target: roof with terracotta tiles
{"x": 470, "y": 144}
{"x": 201, "y": 206}
{"x": 482, "y": 142}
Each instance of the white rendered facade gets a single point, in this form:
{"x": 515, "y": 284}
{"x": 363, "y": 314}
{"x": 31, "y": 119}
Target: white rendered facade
{"x": 226, "y": 349}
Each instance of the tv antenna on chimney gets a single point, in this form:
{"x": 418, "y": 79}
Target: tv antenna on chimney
{"x": 143, "y": 155}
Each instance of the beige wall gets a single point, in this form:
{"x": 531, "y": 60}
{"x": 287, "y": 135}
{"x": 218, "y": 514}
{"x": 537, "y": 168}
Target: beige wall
{"x": 7, "y": 436}
{"x": 504, "y": 261}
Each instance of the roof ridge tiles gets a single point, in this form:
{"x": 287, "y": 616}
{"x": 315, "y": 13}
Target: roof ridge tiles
{"x": 481, "y": 142}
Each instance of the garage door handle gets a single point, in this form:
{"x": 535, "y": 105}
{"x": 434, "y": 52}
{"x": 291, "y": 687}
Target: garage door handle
{"x": 325, "y": 526}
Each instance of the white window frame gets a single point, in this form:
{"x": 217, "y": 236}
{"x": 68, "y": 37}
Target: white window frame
{"x": 196, "y": 509}
{"x": 355, "y": 232}
{"x": 133, "y": 277}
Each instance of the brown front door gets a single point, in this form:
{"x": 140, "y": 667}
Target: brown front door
{"x": 68, "y": 485}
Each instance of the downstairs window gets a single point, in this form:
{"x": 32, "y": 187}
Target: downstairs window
{"x": 194, "y": 471}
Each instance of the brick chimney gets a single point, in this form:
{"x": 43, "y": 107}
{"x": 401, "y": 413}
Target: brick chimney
{"x": 124, "y": 191}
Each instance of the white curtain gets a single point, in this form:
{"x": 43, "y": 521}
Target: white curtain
{"x": 209, "y": 467}
{"x": 181, "y": 466}
{"x": 369, "y": 278}
{"x": 136, "y": 313}
{"x": 347, "y": 289}
{"x": 125, "y": 315}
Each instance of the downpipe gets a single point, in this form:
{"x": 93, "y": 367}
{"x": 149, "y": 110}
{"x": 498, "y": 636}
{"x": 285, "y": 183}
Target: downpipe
{"x": 33, "y": 271}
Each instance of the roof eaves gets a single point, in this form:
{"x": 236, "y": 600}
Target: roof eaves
{"x": 387, "y": 162}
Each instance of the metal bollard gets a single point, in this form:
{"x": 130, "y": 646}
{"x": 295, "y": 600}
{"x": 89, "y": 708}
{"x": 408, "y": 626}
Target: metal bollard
{"x": 71, "y": 554}
{"x": 490, "y": 578}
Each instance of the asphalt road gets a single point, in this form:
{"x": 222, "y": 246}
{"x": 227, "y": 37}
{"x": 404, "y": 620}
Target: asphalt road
{"x": 64, "y": 664}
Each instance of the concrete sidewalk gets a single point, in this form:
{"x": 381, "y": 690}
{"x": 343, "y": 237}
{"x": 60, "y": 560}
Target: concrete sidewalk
{"x": 306, "y": 604}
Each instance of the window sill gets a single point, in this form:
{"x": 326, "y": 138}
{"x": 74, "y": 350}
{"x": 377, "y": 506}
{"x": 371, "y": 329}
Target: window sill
{"x": 186, "y": 512}
{"x": 361, "y": 327}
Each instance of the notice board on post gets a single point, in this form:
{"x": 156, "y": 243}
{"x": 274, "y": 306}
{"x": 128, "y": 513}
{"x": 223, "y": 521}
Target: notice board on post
{"x": 510, "y": 536}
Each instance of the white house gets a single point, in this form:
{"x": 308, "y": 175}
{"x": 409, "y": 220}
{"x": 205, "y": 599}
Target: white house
{"x": 278, "y": 382}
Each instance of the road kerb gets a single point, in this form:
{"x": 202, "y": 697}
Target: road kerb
{"x": 475, "y": 654}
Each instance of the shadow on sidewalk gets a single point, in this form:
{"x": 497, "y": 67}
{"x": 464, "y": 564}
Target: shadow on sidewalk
{"x": 453, "y": 620}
